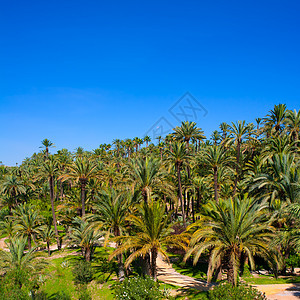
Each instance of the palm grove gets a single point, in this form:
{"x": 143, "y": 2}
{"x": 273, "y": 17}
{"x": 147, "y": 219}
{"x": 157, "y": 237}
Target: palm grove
{"x": 230, "y": 199}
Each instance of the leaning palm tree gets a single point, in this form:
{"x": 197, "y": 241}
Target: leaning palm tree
{"x": 20, "y": 261}
{"x": 177, "y": 156}
{"x": 152, "y": 232}
{"x": 229, "y": 228}
{"x": 81, "y": 170}
{"x": 27, "y": 222}
{"x": 110, "y": 212}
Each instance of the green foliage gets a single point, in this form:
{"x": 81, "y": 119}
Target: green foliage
{"x": 138, "y": 288}
{"x": 82, "y": 272}
{"x": 293, "y": 261}
{"x": 229, "y": 292}
{"x": 246, "y": 271}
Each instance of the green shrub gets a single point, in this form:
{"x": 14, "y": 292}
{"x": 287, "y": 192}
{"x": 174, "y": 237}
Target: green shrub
{"x": 240, "y": 292}
{"x": 83, "y": 272}
{"x": 293, "y": 261}
{"x": 246, "y": 271}
{"x": 138, "y": 288}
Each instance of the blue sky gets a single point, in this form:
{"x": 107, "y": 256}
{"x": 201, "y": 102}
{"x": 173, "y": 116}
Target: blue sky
{"x": 82, "y": 73}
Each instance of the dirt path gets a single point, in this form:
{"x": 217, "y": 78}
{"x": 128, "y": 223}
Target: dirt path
{"x": 289, "y": 291}
{"x": 168, "y": 274}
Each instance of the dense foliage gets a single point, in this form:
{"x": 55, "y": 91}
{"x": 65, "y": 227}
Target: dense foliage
{"x": 236, "y": 197}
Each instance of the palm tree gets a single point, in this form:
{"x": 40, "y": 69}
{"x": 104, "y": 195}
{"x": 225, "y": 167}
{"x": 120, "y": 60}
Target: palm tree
{"x": 147, "y": 175}
{"x": 229, "y": 228}
{"x": 7, "y": 227}
{"x": 19, "y": 261}
{"x": 49, "y": 169}
{"x": 47, "y": 144}
{"x": 152, "y": 232}
{"x": 292, "y": 121}
{"x": 216, "y": 157}
{"x": 12, "y": 186}
{"x": 81, "y": 170}
{"x": 48, "y": 235}
{"x": 239, "y": 131}
{"x": 27, "y": 222}
{"x": 177, "y": 156}
{"x": 275, "y": 119}
{"x": 109, "y": 215}
{"x": 147, "y": 139}
{"x": 84, "y": 236}
{"x": 188, "y": 131}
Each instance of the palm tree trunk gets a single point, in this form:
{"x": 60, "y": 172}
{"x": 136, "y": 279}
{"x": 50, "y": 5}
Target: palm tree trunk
{"x": 180, "y": 194}
{"x": 153, "y": 264}
{"x": 51, "y": 186}
{"x": 48, "y": 248}
{"x": 29, "y": 241}
{"x": 83, "y": 184}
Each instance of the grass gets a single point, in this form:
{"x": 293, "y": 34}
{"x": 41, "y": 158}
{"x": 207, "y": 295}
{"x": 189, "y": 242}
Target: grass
{"x": 59, "y": 276}
{"x": 268, "y": 279}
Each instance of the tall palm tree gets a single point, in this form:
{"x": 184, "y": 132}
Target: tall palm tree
{"x": 81, "y": 170}
{"x": 47, "y": 144}
{"x": 216, "y": 157}
{"x": 188, "y": 131}
{"x": 239, "y": 131}
{"x": 147, "y": 139}
{"x": 27, "y": 222}
{"x": 177, "y": 156}
{"x": 229, "y": 228}
{"x": 152, "y": 232}
{"x": 147, "y": 175}
{"x": 275, "y": 119}
{"x": 292, "y": 120}
{"x": 49, "y": 170}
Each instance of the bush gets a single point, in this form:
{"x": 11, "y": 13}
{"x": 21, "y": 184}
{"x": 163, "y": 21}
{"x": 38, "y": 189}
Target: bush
{"x": 240, "y": 292}
{"x": 83, "y": 272}
{"x": 138, "y": 288}
{"x": 293, "y": 261}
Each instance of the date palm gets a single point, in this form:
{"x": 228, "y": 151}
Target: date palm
{"x": 292, "y": 121}
{"x": 214, "y": 158}
{"x": 239, "y": 131}
{"x": 27, "y": 222}
{"x": 151, "y": 233}
{"x": 229, "y": 228}
{"x": 81, "y": 171}
{"x": 110, "y": 211}
{"x": 84, "y": 236}
{"x": 275, "y": 119}
{"x": 12, "y": 186}
{"x": 48, "y": 235}
{"x": 177, "y": 156}
{"x": 147, "y": 139}
{"x": 47, "y": 144}
{"x": 20, "y": 261}
{"x": 49, "y": 170}
{"x": 147, "y": 176}
{"x": 188, "y": 131}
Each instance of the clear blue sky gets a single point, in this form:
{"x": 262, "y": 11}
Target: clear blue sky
{"x": 82, "y": 73}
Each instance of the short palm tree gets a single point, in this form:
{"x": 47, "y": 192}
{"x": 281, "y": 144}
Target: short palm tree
{"x": 27, "y": 222}
{"x": 110, "y": 212}
{"x": 229, "y": 228}
{"x": 151, "y": 232}
{"x": 47, "y": 235}
{"x": 83, "y": 235}
{"x": 19, "y": 261}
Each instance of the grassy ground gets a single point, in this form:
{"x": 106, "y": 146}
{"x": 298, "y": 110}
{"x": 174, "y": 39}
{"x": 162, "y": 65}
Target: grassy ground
{"x": 268, "y": 279}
